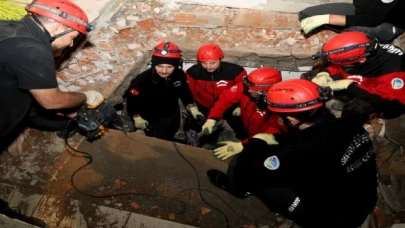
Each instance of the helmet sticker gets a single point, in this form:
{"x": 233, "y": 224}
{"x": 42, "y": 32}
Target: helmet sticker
{"x": 397, "y": 83}
{"x": 272, "y": 163}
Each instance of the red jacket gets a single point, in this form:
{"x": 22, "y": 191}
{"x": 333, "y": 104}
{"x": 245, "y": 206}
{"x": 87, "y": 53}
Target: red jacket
{"x": 254, "y": 120}
{"x": 207, "y": 87}
{"x": 389, "y": 86}
{"x": 380, "y": 80}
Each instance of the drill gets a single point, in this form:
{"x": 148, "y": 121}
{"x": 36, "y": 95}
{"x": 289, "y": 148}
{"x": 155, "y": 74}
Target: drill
{"x": 92, "y": 122}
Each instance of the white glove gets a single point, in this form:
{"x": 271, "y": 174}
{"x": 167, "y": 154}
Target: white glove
{"x": 236, "y": 112}
{"x": 209, "y": 125}
{"x": 311, "y": 23}
{"x": 141, "y": 123}
{"x": 195, "y": 112}
{"x": 228, "y": 150}
{"x": 322, "y": 79}
{"x": 339, "y": 84}
{"x": 268, "y": 138}
{"x": 94, "y": 98}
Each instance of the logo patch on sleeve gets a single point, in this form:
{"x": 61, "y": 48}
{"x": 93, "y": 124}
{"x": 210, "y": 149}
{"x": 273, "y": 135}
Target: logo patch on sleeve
{"x": 397, "y": 83}
{"x": 234, "y": 88}
{"x": 134, "y": 92}
{"x": 272, "y": 163}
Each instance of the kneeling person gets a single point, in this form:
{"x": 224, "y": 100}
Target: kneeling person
{"x": 152, "y": 98}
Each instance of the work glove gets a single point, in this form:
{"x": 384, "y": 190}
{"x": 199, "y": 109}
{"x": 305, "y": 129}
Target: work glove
{"x": 195, "y": 112}
{"x": 236, "y": 112}
{"x": 268, "y": 138}
{"x": 322, "y": 79}
{"x": 310, "y": 23}
{"x": 94, "y": 98}
{"x": 209, "y": 125}
{"x": 141, "y": 123}
{"x": 339, "y": 84}
{"x": 228, "y": 149}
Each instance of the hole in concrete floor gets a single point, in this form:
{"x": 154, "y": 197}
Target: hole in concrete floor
{"x": 226, "y": 134}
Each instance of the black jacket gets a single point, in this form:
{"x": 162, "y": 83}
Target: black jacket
{"x": 26, "y": 63}
{"x": 330, "y": 167}
{"x": 154, "y": 97}
{"x": 372, "y": 13}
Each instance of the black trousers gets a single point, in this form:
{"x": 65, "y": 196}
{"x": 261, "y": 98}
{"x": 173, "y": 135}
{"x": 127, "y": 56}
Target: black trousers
{"x": 164, "y": 127}
{"x": 385, "y": 33}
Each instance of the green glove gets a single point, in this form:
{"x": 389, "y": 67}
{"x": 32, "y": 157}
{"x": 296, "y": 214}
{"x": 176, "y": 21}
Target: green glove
{"x": 195, "y": 112}
{"x": 268, "y": 138}
{"x": 311, "y": 23}
{"x": 228, "y": 150}
{"x": 236, "y": 112}
{"x": 339, "y": 84}
{"x": 210, "y": 125}
{"x": 322, "y": 79}
{"x": 141, "y": 123}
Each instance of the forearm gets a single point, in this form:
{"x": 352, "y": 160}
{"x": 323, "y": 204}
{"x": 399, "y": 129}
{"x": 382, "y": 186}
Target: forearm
{"x": 339, "y": 20}
{"x": 56, "y": 99}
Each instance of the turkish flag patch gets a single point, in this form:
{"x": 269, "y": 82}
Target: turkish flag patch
{"x": 134, "y": 92}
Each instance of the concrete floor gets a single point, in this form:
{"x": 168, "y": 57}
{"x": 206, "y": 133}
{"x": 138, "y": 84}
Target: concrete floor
{"x": 160, "y": 186}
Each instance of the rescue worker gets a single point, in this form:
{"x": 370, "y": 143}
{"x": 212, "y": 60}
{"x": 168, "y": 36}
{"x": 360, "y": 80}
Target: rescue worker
{"x": 29, "y": 92}
{"x": 321, "y": 173}
{"x": 209, "y": 78}
{"x": 381, "y": 19}
{"x": 27, "y": 72}
{"x": 250, "y": 95}
{"x": 369, "y": 75}
{"x": 152, "y": 98}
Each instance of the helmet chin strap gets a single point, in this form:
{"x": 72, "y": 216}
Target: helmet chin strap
{"x": 51, "y": 38}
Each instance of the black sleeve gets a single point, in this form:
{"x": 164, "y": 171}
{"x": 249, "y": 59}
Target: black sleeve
{"x": 134, "y": 96}
{"x": 183, "y": 90}
{"x": 390, "y": 108}
{"x": 260, "y": 162}
{"x": 376, "y": 15}
{"x": 33, "y": 65}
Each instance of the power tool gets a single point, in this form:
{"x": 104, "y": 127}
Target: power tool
{"x": 191, "y": 128}
{"x": 92, "y": 122}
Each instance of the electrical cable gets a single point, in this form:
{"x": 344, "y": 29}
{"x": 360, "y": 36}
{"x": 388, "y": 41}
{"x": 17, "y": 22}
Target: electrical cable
{"x": 90, "y": 160}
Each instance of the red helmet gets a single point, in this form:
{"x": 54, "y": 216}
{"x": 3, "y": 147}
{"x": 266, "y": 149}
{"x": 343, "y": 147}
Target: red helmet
{"x": 167, "y": 50}
{"x": 262, "y": 79}
{"x": 348, "y": 48}
{"x": 294, "y": 95}
{"x": 209, "y": 52}
{"x": 62, "y": 11}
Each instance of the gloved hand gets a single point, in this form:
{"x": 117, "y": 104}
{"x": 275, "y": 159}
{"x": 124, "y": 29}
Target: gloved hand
{"x": 141, "y": 123}
{"x": 195, "y": 112}
{"x": 311, "y": 23}
{"x": 339, "y": 84}
{"x": 236, "y": 112}
{"x": 322, "y": 79}
{"x": 209, "y": 125}
{"x": 268, "y": 138}
{"x": 94, "y": 98}
{"x": 228, "y": 150}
